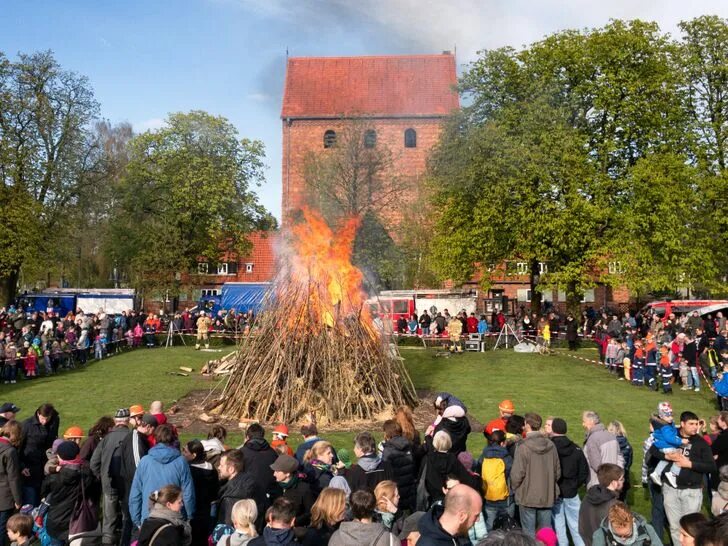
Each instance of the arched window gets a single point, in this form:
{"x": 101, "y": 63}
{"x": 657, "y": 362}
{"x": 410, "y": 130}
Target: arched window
{"x": 329, "y": 139}
{"x": 410, "y": 138}
{"x": 370, "y": 138}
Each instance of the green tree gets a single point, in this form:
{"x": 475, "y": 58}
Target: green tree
{"x": 48, "y": 160}
{"x": 185, "y": 194}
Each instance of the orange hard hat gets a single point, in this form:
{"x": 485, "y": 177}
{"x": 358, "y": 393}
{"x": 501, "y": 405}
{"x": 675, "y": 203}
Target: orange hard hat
{"x": 507, "y": 406}
{"x": 73, "y": 432}
{"x": 281, "y": 430}
{"x": 136, "y": 409}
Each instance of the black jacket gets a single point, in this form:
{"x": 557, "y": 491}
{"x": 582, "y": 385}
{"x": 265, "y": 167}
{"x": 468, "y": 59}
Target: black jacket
{"x": 720, "y": 448}
{"x": 37, "y": 439}
{"x": 133, "y": 447}
{"x": 242, "y": 486}
{"x": 64, "y": 489}
{"x": 257, "y": 457}
{"x": 398, "y": 453}
{"x": 312, "y": 536}
{"x": 207, "y": 486}
{"x": 438, "y": 466}
{"x": 699, "y": 453}
{"x": 593, "y": 510}
{"x": 172, "y": 535}
{"x": 10, "y": 482}
{"x": 303, "y": 499}
{"x": 574, "y": 468}
{"x": 458, "y": 431}
{"x": 367, "y": 472}
{"x": 432, "y": 533}
{"x": 318, "y": 478}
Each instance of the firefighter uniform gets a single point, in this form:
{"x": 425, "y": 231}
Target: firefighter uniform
{"x": 203, "y": 328}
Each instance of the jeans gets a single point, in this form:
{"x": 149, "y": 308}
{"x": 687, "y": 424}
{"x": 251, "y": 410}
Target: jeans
{"x": 425, "y": 331}
{"x": 4, "y": 517}
{"x": 695, "y": 377}
{"x": 566, "y": 512}
{"x": 533, "y": 519}
{"x": 658, "y": 509}
{"x": 678, "y": 503}
{"x": 493, "y": 509}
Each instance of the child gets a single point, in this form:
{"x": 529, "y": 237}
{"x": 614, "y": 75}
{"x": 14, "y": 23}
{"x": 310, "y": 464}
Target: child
{"x": 638, "y": 364}
{"x": 30, "y": 364}
{"x": 20, "y": 530}
{"x": 665, "y": 370}
{"x": 11, "y": 363}
{"x": 129, "y": 338}
{"x": 280, "y": 435}
{"x": 711, "y": 356}
{"x": 243, "y": 516}
{"x": 667, "y": 440}
{"x": 621, "y": 355}
{"x": 448, "y": 407}
{"x": 684, "y": 375}
{"x": 495, "y": 467}
{"x": 611, "y": 355}
{"x": 98, "y": 348}
{"x": 651, "y": 362}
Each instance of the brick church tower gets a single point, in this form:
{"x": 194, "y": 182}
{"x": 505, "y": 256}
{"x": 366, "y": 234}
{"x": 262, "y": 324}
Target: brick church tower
{"x": 404, "y": 99}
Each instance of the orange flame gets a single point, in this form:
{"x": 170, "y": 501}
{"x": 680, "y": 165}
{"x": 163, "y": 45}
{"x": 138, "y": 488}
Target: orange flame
{"x": 321, "y": 267}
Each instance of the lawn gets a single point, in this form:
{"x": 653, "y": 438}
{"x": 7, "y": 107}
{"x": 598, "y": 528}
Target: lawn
{"x": 550, "y": 385}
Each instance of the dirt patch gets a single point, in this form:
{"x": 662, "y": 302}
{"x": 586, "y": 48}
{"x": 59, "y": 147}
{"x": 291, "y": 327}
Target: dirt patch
{"x": 186, "y": 416}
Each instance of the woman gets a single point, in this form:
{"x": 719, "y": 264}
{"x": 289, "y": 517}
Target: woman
{"x": 39, "y": 431}
{"x": 397, "y": 451}
{"x": 690, "y": 526}
{"x": 318, "y": 465}
{"x": 165, "y": 525}
{"x": 206, "y": 484}
{"x": 387, "y": 498}
{"x": 404, "y": 417}
{"x": 244, "y": 514}
{"x": 440, "y": 463}
{"x": 100, "y": 429}
{"x": 617, "y": 428}
{"x": 326, "y": 514}
{"x": 10, "y": 482}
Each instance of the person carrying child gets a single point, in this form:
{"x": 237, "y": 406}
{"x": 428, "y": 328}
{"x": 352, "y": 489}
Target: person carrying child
{"x": 667, "y": 440}
{"x": 448, "y": 407}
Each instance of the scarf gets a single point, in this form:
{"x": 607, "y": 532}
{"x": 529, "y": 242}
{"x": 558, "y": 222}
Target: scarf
{"x": 159, "y": 511}
{"x": 78, "y": 461}
{"x": 320, "y": 465}
{"x": 290, "y": 483}
{"x": 626, "y": 541}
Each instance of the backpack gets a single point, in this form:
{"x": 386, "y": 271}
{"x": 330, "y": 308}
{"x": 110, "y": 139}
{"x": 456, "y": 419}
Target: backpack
{"x": 495, "y": 485}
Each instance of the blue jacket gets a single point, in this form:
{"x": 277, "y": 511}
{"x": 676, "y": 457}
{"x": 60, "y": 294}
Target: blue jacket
{"x": 667, "y": 437}
{"x": 163, "y": 465}
{"x": 721, "y": 387}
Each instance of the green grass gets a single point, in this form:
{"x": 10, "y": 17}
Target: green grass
{"x": 549, "y": 385}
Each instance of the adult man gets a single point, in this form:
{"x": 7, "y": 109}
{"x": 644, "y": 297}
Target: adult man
{"x": 574, "y": 474}
{"x": 285, "y": 471}
{"x": 278, "y": 531}
{"x": 106, "y": 466}
{"x": 163, "y": 465}
{"x": 505, "y": 410}
{"x": 695, "y": 461}
{"x": 622, "y": 526}
{"x": 257, "y": 458}
{"x": 425, "y": 321}
{"x": 369, "y": 469}
{"x": 601, "y": 445}
{"x": 534, "y": 474}
{"x": 448, "y": 523}
{"x": 238, "y": 485}
{"x": 203, "y": 327}
{"x": 598, "y": 499}
{"x": 362, "y": 530}
{"x": 39, "y": 431}
{"x": 310, "y": 437}
{"x": 7, "y": 412}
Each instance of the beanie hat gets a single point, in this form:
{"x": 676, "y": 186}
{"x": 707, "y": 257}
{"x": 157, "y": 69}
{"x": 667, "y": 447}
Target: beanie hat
{"x": 122, "y": 413}
{"x": 547, "y": 536}
{"x": 56, "y": 443}
{"x": 664, "y": 410}
{"x": 68, "y": 451}
{"x": 466, "y": 459}
{"x": 281, "y": 430}
{"x": 558, "y": 426}
{"x": 344, "y": 456}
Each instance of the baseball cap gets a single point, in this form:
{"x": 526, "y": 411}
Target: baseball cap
{"x": 285, "y": 463}
{"x": 149, "y": 419}
{"x": 9, "y": 406}
{"x": 135, "y": 410}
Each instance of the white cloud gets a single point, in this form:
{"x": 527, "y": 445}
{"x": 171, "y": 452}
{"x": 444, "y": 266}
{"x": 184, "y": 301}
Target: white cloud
{"x": 258, "y": 97}
{"x": 147, "y": 125}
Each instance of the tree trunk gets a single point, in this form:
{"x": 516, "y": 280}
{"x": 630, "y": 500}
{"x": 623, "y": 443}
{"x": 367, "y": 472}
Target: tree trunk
{"x": 9, "y": 286}
{"x": 535, "y": 277}
{"x": 573, "y": 300}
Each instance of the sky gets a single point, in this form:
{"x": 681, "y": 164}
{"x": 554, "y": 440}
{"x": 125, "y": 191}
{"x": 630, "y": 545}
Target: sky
{"x": 147, "y": 58}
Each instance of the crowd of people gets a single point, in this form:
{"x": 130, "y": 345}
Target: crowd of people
{"x": 129, "y": 479}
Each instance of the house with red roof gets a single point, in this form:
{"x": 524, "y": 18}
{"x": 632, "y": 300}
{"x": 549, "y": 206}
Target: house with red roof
{"x": 404, "y": 99}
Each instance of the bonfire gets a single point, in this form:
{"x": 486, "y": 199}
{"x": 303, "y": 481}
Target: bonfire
{"x": 316, "y": 349}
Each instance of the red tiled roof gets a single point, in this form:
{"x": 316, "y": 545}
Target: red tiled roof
{"x": 406, "y": 85}
{"x": 263, "y": 257}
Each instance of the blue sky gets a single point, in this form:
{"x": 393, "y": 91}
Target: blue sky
{"x": 146, "y": 58}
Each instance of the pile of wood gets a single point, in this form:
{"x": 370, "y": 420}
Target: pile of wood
{"x": 316, "y": 349}
{"x": 221, "y": 366}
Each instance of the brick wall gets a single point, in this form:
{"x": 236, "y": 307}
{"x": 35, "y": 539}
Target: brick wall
{"x": 301, "y": 137}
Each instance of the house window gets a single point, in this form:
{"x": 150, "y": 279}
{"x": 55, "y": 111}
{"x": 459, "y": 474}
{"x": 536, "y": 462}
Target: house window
{"x": 202, "y": 268}
{"x": 248, "y": 268}
{"x": 543, "y": 268}
{"x": 370, "y": 138}
{"x": 522, "y": 269}
{"x": 615, "y": 268}
{"x": 410, "y": 138}
{"x": 206, "y": 292}
{"x": 232, "y": 268}
{"x": 222, "y": 268}
{"x": 329, "y": 139}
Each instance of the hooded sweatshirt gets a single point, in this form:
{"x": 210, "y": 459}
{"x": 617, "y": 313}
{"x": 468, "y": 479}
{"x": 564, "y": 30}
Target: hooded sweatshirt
{"x": 161, "y": 466}
{"x": 368, "y": 471}
{"x": 574, "y": 468}
{"x": 398, "y": 452}
{"x": 356, "y": 533}
{"x": 431, "y": 532}
{"x": 274, "y": 537}
{"x": 642, "y": 534}
{"x": 257, "y": 457}
{"x": 594, "y": 508}
{"x": 536, "y": 469}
